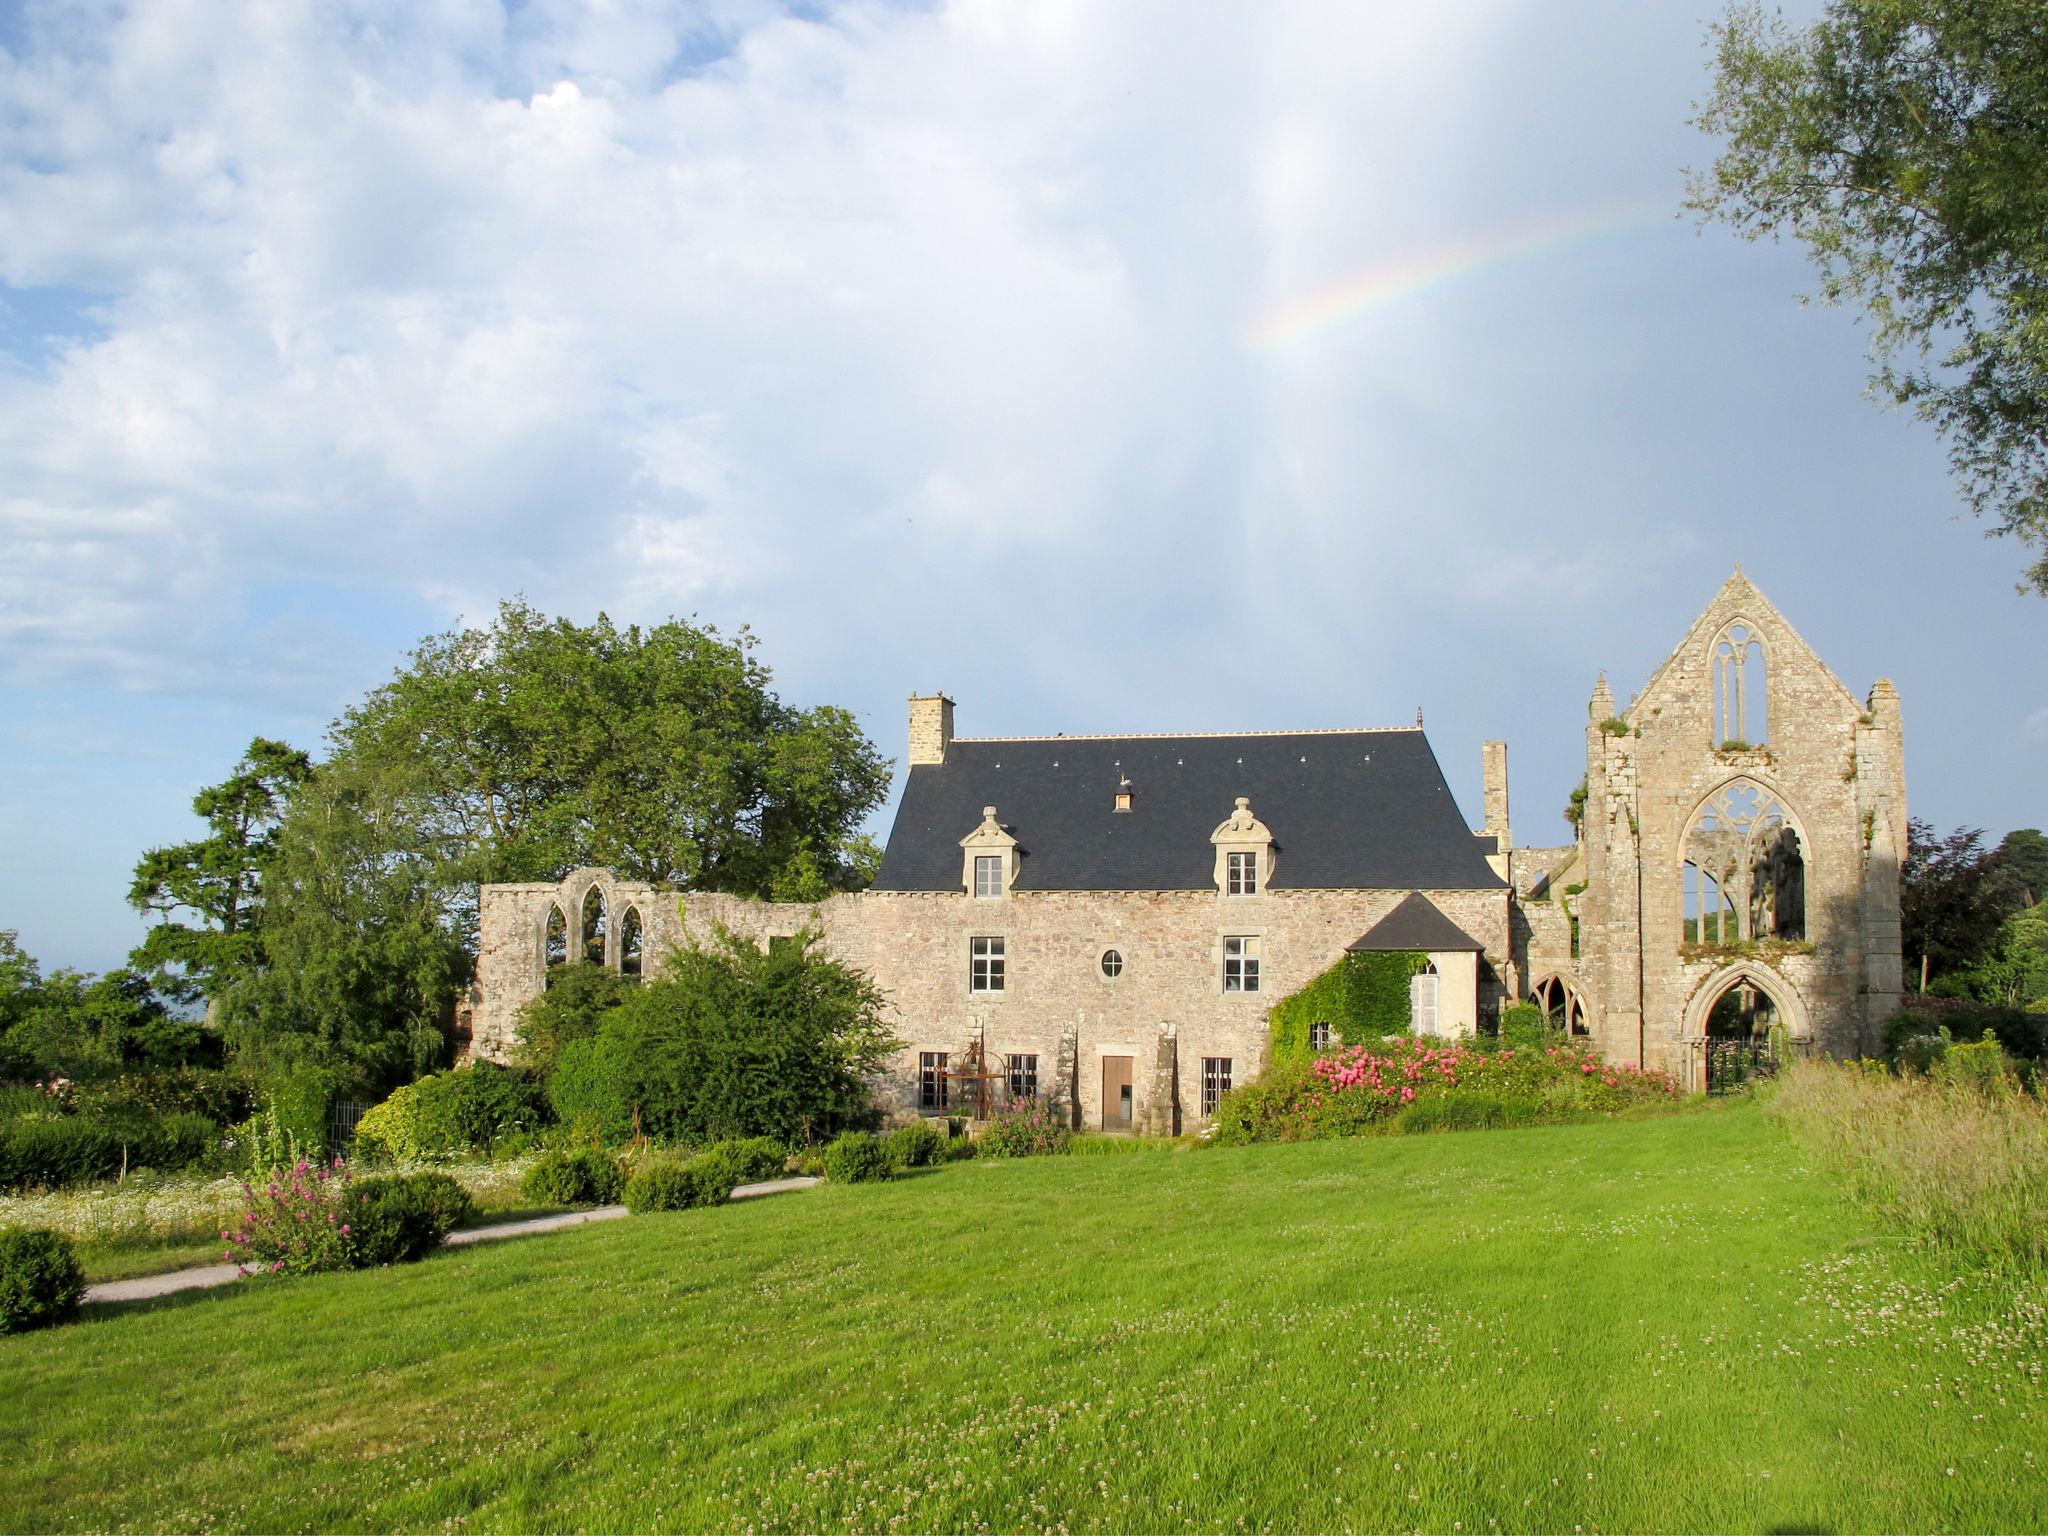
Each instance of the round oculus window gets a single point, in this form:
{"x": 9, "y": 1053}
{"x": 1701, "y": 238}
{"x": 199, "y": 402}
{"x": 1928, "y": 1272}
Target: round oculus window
{"x": 1112, "y": 963}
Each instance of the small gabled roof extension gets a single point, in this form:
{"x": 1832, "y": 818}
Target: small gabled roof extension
{"x": 1416, "y": 926}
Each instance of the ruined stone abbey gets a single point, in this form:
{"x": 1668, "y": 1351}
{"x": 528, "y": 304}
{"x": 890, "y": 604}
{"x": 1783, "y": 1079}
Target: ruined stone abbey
{"x": 1106, "y": 921}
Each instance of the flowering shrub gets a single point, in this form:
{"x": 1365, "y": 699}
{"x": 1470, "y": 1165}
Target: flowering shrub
{"x": 1395, "y": 1084}
{"x": 1025, "y": 1129}
{"x": 294, "y": 1222}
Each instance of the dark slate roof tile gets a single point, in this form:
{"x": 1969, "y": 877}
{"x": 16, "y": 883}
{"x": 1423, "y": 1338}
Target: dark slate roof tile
{"x": 1347, "y": 809}
{"x": 1417, "y": 925}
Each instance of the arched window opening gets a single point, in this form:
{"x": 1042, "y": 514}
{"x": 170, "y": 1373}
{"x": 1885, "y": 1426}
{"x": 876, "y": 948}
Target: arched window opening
{"x": 1422, "y": 1000}
{"x": 630, "y": 942}
{"x": 1745, "y": 869}
{"x": 555, "y": 942}
{"x": 1562, "y": 1007}
{"x": 593, "y": 926}
{"x": 1741, "y": 689}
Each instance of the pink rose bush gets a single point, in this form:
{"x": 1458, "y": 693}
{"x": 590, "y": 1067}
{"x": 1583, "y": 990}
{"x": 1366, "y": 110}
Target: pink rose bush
{"x": 1408, "y": 1084}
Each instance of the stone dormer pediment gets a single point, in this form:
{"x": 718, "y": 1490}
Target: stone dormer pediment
{"x": 990, "y": 839}
{"x": 1243, "y": 832}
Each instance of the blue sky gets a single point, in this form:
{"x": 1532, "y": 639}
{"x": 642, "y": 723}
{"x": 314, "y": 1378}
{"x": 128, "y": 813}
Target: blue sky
{"x": 931, "y": 342}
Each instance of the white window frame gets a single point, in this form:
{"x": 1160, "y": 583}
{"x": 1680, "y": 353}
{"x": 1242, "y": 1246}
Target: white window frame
{"x": 988, "y": 874}
{"x": 987, "y": 964}
{"x": 1242, "y": 873}
{"x": 1319, "y": 1035}
{"x": 1241, "y": 962}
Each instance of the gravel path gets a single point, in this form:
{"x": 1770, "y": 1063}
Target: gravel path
{"x": 145, "y": 1286}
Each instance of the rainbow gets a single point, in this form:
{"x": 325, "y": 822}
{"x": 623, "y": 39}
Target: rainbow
{"x": 1380, "y": 287}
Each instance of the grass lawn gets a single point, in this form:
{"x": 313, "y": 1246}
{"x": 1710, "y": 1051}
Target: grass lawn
{"x": 1662, "y": 1324}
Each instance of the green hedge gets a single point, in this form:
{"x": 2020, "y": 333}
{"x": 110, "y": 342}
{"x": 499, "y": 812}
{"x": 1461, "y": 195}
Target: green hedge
{"x": 1362, "y": 998}
{"x": 450, "y": 1113}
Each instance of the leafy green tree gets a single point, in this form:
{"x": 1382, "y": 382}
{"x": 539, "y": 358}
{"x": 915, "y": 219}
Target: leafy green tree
{"x": 729, "y": 1041}
{"x": 1902, "y": 141}
{"x": 217, "y": 880}
{"x": 361, "y": 943}
{"x": 572, "y": 1008}
{"x": 79, "y": 1026}
{"x": 529, "y": 748}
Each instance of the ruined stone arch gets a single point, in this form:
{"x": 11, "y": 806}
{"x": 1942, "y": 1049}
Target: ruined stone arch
{"x": 593, "y": 924}
{"x": 1791, "y": 1007}
{"x": 1744, "y": 856}
{"x": 1739, "y": 663}
{"x": 552, "y": 938}
{"x": 1563, "y": 1001}
{"x": 632, "y": 941}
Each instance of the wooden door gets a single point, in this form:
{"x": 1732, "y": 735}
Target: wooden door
{"x": 1116, "y": 1093}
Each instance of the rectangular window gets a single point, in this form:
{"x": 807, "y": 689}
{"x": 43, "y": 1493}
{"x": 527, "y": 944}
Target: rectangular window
{"x": 985, "y": 966}
{"x": 1023, "y": 1077}
{"x": 1243, "y": 874}
{"x": 1319, "y": 1036}
{"x": 1215, "y": 1082}
{"x": 988, "y": 874}
{"x": 1241, "y": 965}
{"x": 931, "y": 1080}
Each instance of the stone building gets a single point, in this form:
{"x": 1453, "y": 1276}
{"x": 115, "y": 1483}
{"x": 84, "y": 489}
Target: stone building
{"x": 1106, "y": 921}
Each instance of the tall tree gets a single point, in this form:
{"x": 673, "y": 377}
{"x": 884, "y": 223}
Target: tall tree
{"x": 1903, "y": 141}
{"x": 216, "y": 881}
{"x": 526, "y": 749}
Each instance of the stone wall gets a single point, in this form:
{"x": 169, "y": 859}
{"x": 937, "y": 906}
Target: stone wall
{"x": 1166, "y": 1010}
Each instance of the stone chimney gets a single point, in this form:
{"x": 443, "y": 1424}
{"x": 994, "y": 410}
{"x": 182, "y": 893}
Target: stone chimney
{"x": 1496, "y": 759}
{"x": 931, "y": 728}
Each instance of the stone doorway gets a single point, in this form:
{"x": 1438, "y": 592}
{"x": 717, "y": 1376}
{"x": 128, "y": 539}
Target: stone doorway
{"x": 1116, "y": 1093}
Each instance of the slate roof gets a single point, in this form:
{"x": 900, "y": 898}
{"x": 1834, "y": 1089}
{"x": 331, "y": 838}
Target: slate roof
{"x": 1415, "y": 926}
{"x": 1347, "y": 810}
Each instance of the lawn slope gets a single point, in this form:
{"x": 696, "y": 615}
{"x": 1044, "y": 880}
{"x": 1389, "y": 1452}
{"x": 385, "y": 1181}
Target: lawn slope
{"x": 1662, "y": 1324}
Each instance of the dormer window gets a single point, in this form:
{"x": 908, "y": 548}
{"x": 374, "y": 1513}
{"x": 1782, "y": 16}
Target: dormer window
{"x": 1244, "y": 852}
{"x": 988, "y": 858}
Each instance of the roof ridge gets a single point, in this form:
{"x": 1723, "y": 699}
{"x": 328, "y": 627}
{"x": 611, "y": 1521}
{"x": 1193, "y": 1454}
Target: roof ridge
{"x": 1324, "y": 730}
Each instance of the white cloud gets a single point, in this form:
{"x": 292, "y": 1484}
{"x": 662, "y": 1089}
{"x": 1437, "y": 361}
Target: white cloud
{"x": 626, "y": 303}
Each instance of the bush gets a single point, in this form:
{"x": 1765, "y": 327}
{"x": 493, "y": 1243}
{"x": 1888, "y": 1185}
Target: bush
{"x": 403, "y": 1216}
{"x": 667, "y": 1185}
{"x": 1464, "y": 1109}
{"x": 139, "y": 1098}
{"x": 576, "y": 1000}
{"x": 1362, "y": 1091}
{"x": 41, "y": 1280}
{"x": 583, "y": 1177}
{"x": 451, "y": 1113}
{"x": 295, "y": 1222}
{"x": 1029, "y": 1129}
{"x": 300, "y": 1098}
{"x": 858, "y": 1157}
{"x": 1523, "y": 1026}
{"x": 731, "y": 1040}
{"x": 1981, "y": 1065}
{"x": 959, "y": 1149}
{"x": 809, "y": 1163}
{"x": 55, "y": 1150}
{"x": 917, "y": 1145}
{"x": 749, "y": 1160}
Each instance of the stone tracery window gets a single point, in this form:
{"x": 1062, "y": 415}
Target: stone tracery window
{"x": 593, "y": 926}
{"x": 555, "y": 939}
{"x": 1741, "y": 688}
{"x": 1745, "y": 869}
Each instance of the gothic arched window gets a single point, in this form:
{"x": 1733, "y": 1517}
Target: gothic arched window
{"x": 1741, "y": 688}
{"x": 1745, "y": 868}
{"x": 554, "y": 949}
{"x": 630, "y": 942}
{"x": 593, "y": 926}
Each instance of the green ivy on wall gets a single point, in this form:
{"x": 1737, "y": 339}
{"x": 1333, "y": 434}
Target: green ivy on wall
{"x": 1362, "y": 997}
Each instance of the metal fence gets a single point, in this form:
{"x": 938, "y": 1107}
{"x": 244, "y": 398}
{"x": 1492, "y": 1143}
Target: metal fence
{"x": 342, "y": 1116}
